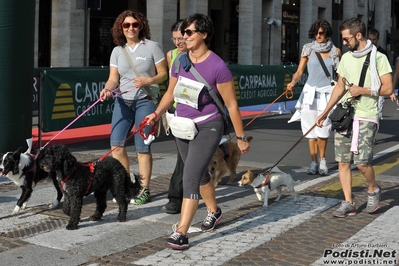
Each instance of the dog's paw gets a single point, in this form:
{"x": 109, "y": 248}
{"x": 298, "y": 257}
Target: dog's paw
{"x": 95, "y": 217}
{"x": 53, "y": 205}
{"x": 23, "y": 207}
{"x": 121, "y": 219}
{"x": 71, "y": 226}
{"x": 265, "y": 206}
{"x": 16, "y": 210}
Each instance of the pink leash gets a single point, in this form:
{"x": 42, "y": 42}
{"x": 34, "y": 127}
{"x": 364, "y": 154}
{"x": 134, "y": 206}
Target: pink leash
{"x": 114, "y": 95}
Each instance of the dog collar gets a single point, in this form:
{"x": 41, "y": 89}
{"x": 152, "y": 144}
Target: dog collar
{"x": 266, "y": 182}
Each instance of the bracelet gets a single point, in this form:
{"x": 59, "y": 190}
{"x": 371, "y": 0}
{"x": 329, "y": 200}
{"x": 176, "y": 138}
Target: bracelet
{"x": 243, "y": 138}
{"x": 154, "y": 113}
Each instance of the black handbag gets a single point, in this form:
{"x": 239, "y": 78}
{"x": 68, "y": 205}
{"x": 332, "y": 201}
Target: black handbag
{"x": 342, "y": 116}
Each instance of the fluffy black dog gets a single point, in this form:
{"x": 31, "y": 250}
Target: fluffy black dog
{"x": 24, "y": 170}
{"x": 80, "y": 179}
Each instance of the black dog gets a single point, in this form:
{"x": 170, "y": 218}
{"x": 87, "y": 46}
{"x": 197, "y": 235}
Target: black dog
{"x": 80, "y": 179}
{"x": 24, "y": 170}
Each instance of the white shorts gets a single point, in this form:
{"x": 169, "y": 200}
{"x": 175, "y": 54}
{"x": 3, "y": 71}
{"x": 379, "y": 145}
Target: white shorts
{"x": 309, "y": 114}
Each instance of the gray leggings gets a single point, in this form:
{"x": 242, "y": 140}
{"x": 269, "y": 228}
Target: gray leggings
{"x": 197, "y": 154}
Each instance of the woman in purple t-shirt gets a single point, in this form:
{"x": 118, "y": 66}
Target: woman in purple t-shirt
{"x": 197, "y": 31}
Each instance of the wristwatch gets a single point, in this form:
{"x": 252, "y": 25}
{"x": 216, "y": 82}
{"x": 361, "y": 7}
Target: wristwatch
{"x": 243, "y": 138}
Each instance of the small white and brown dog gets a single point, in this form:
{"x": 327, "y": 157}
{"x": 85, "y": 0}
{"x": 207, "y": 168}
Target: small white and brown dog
{"x": 273, "y": 179}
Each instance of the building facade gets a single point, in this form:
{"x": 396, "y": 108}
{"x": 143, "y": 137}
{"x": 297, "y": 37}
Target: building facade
{"x": 247, "y": 32}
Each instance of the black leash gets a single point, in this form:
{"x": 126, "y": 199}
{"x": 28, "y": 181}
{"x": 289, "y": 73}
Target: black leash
{"x": 296, "y": 143}
{"x": 314, "y": 125}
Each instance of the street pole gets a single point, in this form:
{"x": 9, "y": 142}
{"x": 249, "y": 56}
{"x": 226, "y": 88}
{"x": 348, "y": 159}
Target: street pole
{"x": 17, "y": 27}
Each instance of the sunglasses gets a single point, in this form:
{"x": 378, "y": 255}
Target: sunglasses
{"x": 188, "y": 32}
{"x": 127, "y": 25}
{"x": 321, "y": 33}
{"x": 348, "y": 39}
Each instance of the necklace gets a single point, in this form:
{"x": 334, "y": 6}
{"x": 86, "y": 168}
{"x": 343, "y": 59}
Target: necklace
{"x": 198, "y": 57}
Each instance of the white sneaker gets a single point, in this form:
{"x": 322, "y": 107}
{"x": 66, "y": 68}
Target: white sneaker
{"x": 313, "y": 168}
{"x": 323, "y": 169}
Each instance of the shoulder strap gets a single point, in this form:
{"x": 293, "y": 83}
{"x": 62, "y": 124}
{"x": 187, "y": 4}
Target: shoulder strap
{"x": 323, "y": 65}
{"x": 177, "y": 61}
{"x": 364, "y": 70}
{"x": 363, "y": 73}
{"x": 134, "y": 69}
{"x": 177, "y": 64}
{"x": 209, "y": 88}
{"x": 130, "y": 61}
{"x": 198, "y": 76}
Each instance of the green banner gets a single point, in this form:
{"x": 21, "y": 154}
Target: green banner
{"x": 67, "y": 93}
{"x": 262, "y": 84}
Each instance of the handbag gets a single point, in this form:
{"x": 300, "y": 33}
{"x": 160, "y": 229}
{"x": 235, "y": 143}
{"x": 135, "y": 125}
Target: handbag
{"x": 183, "y": 127}
{"x": 162, "y": 128}
{"x": 342, "y": 116}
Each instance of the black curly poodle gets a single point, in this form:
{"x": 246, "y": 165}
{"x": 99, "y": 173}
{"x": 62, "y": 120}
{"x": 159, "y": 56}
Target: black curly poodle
{"x": 81, "y": 179}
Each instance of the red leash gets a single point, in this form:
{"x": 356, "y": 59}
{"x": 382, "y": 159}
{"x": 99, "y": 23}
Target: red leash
{"x": 92, "y": 165}
{"x": 140, "y": 130}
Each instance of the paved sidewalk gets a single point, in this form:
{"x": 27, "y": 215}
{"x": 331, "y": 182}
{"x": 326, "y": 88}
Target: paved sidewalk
{"x": 285, "y": 233}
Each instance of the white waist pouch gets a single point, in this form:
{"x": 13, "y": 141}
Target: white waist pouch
{"x": 183, "y": 128}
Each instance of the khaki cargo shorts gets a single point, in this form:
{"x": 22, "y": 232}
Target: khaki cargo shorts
{"x": 367, "y": 132}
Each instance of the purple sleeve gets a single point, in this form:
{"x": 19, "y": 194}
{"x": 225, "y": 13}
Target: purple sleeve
{"x": 223, "y": 73}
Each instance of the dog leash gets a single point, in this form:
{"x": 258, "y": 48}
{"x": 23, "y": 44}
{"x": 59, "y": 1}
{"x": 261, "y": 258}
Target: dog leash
{"x": 288, "y": 94}
{"x": 114, "y": 94}
{"x": 314, "y": 125}
{"x": 140, "y": 130}
{"x": 93, "y": 163}
{"x": 296, "y": 143}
